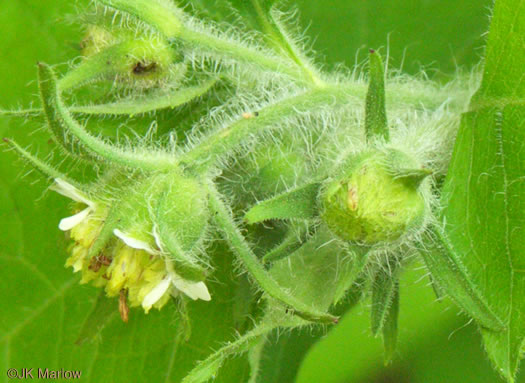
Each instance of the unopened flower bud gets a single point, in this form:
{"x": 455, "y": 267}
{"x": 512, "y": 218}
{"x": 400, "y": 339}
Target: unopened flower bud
{"x": 376, "y": 198}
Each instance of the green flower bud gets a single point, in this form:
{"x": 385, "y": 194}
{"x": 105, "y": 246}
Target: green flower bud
{"x": 120, "y": 56}
{"x": 97, "y": 38}
{"x": 376, "y": 198}
{"x": 273, "y": 169}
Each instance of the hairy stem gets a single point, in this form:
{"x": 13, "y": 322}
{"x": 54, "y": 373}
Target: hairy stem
{"x": 220, "y": 143}
{"x": 239, "y": 52}
{"x": 249, "y": 260}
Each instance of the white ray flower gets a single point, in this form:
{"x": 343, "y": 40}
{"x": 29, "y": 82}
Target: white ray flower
{"x": 135, "y": 243}
{"x": 67, "y": 190}
{"x": 194, "y": 290}
{"x": 156, "y": 293}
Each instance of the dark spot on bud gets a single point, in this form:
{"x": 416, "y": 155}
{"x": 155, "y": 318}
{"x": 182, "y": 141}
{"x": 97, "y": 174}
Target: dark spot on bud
{"x": 372, "y": 51}
{"x": 141, "y": 68}
{"x": 256, "y": 114}
{"x": 6, "y": 140}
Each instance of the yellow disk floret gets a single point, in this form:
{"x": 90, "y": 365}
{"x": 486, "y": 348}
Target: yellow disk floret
{"x": 119, "y": 267}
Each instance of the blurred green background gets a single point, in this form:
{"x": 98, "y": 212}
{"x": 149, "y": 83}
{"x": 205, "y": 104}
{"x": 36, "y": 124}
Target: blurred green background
{"x": 437, "y": 344}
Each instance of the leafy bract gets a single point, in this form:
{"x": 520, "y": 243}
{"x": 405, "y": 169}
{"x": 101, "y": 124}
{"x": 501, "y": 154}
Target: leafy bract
{"x": 484, "y": 195}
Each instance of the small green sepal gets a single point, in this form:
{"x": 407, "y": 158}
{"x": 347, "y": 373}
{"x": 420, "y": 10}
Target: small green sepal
{"x": 376, "y": 124}
{"x": 299, "y": 203}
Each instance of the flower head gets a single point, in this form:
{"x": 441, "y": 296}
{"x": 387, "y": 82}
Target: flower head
{"x": 133, "y": 263}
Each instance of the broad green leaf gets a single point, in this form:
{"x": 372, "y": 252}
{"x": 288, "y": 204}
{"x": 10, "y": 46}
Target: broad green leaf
{"x": 299, "y": 203}
{"x": 102, "y": 313}
{"x": 485, "y": 188}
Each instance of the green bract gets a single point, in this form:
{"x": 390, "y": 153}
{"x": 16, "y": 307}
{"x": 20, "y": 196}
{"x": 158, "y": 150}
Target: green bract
{"x": 371, "y": 202}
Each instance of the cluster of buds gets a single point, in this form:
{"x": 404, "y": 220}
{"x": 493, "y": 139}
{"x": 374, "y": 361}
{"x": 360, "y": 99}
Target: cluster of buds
{"x": 138, "y": 232}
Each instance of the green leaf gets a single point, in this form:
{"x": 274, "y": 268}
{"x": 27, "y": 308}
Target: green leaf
{"x": 376, "y": 124}
{"x": 443, "y": 262}
{"x": 102, "y": 313}
{"x": 485, "y": 187}
{"x": 299, "y": 203}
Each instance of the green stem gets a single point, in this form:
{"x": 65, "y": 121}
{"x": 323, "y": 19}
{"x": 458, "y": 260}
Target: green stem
{"x": 215, "y": 146}
{"x": 69, "y": 133}
{"x": 246, "y": 256}
{"x": 242, "y": 53}
{"x": 208, "y": 368}
{"x": 42, "y": 167}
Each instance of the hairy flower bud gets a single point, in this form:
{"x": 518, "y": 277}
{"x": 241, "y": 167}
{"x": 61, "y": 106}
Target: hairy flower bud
{"x": 120, "y": 56}
{"x": 376, "y": 198}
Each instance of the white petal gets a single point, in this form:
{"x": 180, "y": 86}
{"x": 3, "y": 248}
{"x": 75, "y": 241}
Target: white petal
{"x": 195, "y": 290}
{"x": 134, "y": 242}
{"x": 70, "y": 222}
{"x": 156, "y": 293}
{"x": 68, "y": 190}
